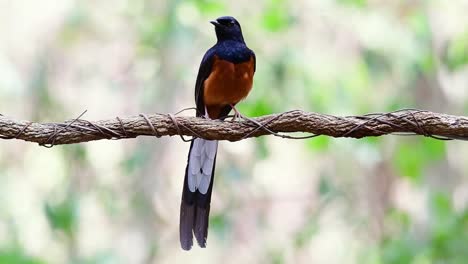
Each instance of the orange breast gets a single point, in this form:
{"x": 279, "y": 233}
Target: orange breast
{"x": 227, "y": 84}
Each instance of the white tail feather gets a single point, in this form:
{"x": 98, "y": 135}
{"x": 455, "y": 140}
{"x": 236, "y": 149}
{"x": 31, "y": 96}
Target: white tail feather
{"x": 210, "y": 148}
{"x": 201, "y": 162}
{"x": 198, "y": 146}
{"x": 194, "y": 164}
{"x": 204, "y": 183}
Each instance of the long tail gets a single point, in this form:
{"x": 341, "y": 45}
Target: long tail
{"x": 196, "y": 194}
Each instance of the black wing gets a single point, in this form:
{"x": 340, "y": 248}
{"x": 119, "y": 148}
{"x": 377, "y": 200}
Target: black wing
{"x": 203, "y": 72}
{"x": 255, "y": 60}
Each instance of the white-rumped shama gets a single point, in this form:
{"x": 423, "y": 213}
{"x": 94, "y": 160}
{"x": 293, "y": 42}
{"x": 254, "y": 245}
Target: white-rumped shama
{"x": 225, "y": 77}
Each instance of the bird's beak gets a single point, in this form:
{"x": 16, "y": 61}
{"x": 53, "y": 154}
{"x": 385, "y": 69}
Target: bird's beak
{"x": 215, "y": 23}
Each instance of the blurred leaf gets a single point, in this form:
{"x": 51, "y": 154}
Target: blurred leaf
{"x": 136, "y": 160}
{"x": 419, "y": 23}
{"x": 399, "y": 218}
{"x": 370, "y": 255}
{"x": 325, "y": 186}
{"x": 355, "y": 83}
{"x": 359, "y": 78}
{"x": 422, "y": 258}
{"x": 433, "y": 149}
{"x": 321, "y": 95}
{"x": 107, "y": 197}
{"x": 377, "y": 63}
{"x": 400, "y": 247}
{"x": 276, "y": 16}
{"x": 411, "y": 157}
{"x": 259, "y": 107}
{"x": 456, "y": 54}
{"x": 156, "y": 32}
{"x": 210, "y": 7}
{"x": 152, "y": 31}
{"x": 320, "y": 143}
{"x": 17, "y": 257}
{"x": 427, "y": 63}
{"x": 443, "y": 241}
{"x": 409, "y": 162}
{"x": 397, "y": 103}
{"x": 449, "y": 230}
{"x": 43, "y": 99}
{"x": 220, "y": 225}
{"x": 356, "y": 3}
{"x": 399, "y": 250}
{"x": 280, "y": 67}
{"x": 305, "y": 234}
{"x": 276, "y": 256}
{"x": 372, "y": 141}
{"x": 441, "y": 210}
{"x": 77, "y": 152}
{"x": 63, "y": 216}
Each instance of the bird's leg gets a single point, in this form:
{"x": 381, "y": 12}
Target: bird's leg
{"x": 237, "y": 114}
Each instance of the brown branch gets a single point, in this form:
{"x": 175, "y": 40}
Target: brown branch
{"x": 407, "y": 121}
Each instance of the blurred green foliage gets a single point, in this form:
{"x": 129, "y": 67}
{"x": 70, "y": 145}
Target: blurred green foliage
{"x": 456, "y": 55}
{"x": 17, "y": 257}
{"x": 63, "y": 216}
{"x": 356, "y": 3}
{"x": 210, "y": 7}
{"x": 276, "y": 16}
{"x": 412, "y": 156}
{"x": 444, "y": 240}
{"x": 338, "y": 57}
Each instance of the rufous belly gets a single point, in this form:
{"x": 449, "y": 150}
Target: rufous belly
{"x": 227, "y": 84}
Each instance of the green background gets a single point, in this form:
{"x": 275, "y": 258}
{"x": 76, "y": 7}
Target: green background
{"x": 324, "y": 200}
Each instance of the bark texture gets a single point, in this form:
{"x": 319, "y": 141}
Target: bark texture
{"x": 412, "y": 121}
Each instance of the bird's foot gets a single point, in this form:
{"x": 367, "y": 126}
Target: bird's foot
{"x": 237, "y": 114}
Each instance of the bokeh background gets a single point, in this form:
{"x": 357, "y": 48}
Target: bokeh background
{"x": 375, "y": 200}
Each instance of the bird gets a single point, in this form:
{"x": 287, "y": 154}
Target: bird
{"x": 225, "y": 77}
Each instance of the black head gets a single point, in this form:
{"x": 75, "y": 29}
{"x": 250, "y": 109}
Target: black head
{"x": 227, "y": 28}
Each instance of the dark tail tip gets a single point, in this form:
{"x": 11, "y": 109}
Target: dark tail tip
{"x": 201, "y": 225}
{"x": 187, "y": 215}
